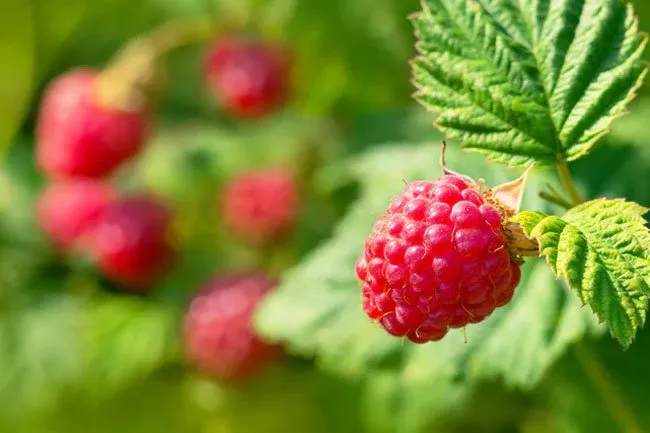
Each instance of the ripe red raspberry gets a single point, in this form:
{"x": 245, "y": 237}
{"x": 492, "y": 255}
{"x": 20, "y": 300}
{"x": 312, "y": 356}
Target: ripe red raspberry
{"x": 130, "y": 242}
{"x": 219, "y": 335}
{"x": 77, "y": 136}
{"x": 437, "y": 259}
{"x": 68, "y": 208}
{"x": 249, "y": 78}
{"x": 261, "y": 206}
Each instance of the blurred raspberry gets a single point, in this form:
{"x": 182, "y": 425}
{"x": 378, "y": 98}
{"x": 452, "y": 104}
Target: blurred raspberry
{"x": 219, "y": 335}
{"x": 130, "y": 243}
{"x": 68, "y": 208}
{"x": 76, "y": 136}
{"x": 249, "y": 78}
{"x": 261, "y": 206}
{"x": 436, "y": 260}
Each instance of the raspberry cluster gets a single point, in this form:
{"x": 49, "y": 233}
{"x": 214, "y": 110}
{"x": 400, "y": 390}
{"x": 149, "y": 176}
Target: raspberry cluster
{"x": 219, "y": 336}
{"x": 261, "y": 206}
{"x": 437, "y": 259}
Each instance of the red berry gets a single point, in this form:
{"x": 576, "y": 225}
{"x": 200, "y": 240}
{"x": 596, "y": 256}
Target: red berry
{"x": 130, "y": 242}
{"x": 219, "y": 335}
{"x": 436, "y": 260}
{"x": 68, "y": 208}
{"x": 250, "y": 79}
{"x": 76, "y": 136}
{"x": 261, "y": 207}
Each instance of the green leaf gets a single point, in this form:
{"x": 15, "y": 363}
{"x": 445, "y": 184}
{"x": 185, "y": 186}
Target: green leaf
{"x": 317, "y": 310}
{"x": 523, "y": 81}
{"x": 601, "y": 248}
{"x": 354, "y": 50}
{"x": 54, "y": 23}
{"x": 38, "y": 353}
{"x": 125, "y": 340}
{"x": 16, "y": 66}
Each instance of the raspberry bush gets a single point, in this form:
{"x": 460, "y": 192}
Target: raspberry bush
{"x": 153, "y": 152}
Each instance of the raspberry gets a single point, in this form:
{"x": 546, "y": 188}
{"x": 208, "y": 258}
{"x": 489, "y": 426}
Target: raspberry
{"x": 437, "y": 259}
{"x": 76, "y": 136}
{"x": 68, "y": 208}
{"x": 219, "y": 336}
{"x": 130, "y": 242}
{"x": 249, "y": 78}
{"x": 261, "y": 206}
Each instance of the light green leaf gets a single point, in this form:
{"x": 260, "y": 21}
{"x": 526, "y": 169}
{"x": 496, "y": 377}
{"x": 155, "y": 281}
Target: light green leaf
{"x": 54, "y": 23}
{"x": 39, "y": 352}
{"x": 125, "y": 340}
{"x": 524, "y": 81}
{"x": 602, "y": 249}
{"x": 16, "y": 66}
{"x": 317, "y": 310}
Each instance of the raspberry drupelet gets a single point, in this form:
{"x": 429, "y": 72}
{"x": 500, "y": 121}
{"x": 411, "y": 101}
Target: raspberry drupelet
{"x": 437, "y": 259}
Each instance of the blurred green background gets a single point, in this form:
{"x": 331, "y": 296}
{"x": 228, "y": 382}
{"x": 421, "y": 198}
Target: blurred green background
{"x": 77, "y": 357}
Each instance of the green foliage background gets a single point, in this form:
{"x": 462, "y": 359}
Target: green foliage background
{"x": 74, "y": 356}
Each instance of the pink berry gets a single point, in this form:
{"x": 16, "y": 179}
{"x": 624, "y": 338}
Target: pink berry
{"x": 77, "y": 136}
{"x": 219, "y": 337}
{"x": 249, "y": 78}
{"x": 68, "y": 208}
{"x": 444, "y": 263}
{"x": 261, "y": 207}
{"x": 130, "y": 242}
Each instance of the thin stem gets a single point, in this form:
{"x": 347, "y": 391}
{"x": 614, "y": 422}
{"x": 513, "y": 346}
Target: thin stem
{"x": 567, "y": 182}
{"x": 175, "y": 34}
{"x": 555, "y": 200}
{"x": 130, "y": 79}
{"x": 606, "y": 387}
{"x": 613, "y": 398}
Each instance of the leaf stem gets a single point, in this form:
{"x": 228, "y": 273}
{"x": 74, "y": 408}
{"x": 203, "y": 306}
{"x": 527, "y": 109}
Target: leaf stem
{"x": 606, "y": 387}
{"x": 567, "y": 182}
{"x": 555, "y": 200}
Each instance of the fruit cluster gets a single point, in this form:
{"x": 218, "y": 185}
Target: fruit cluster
{"x": 90, "y": 126}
